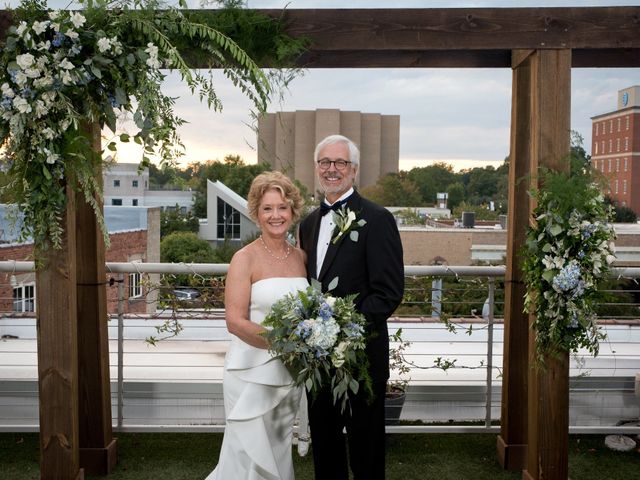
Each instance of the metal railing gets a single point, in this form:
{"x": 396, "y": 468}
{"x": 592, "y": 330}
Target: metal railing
{"x": 455, "y": 378}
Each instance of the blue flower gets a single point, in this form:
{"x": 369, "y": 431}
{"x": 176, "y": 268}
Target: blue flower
{"x": 58, "y": 40}
{"x": 568, "y": 278}
{"x": 6, "y": 103}
{"x": 112, "y": 100}
{"x": 325, "y": 311}
{"x": 588, "y": 230}
{"x": 27, "y": 92}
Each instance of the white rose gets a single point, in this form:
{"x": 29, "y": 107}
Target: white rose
{"x": 77, "y": 19}
{"x": 51, "y": 157}
{"x": 104, "y": 44}
{"x": 66, "y": 77}
{"x": 25, "y": 60}
{"x": 32, "y": 72}
{"x": 7, "y": 91}
{"x": 21, "y": 79}
{"x": 22, "y": 27}
{"x": 21, "y": 105}
{"x": 41, "y": 109}
{"x": 72, "y": 34}
{"x": 48, "y": 133}
{"x": 44, "y": 45}
{"x": 66, "y": 65}
{"x": 331, "y": 301}
{"x": 53, "y": 14}
{"x": 40, "y": 27}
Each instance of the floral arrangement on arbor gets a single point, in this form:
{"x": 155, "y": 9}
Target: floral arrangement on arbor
{"x": 567, "y": 255}
{"x": 62, "y": 71}
{"x": 321, "y": 340}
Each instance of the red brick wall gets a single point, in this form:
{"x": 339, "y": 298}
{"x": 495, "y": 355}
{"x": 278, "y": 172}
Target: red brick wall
{"x": 125, "y": 247}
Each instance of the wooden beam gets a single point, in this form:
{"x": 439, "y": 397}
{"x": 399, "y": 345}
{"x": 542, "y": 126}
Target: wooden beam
{"x": 512, "y": 441}
{"x": 465, "y": 28}
{"x": 58, "y": 355}
{"x": 548, "y": 389}
{"x": 97, "y": 445}
{"x": 456, "y": 37}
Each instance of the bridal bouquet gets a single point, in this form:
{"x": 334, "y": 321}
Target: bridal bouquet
{"x": 568, "y": 253}
{"x": 320, "y": 339}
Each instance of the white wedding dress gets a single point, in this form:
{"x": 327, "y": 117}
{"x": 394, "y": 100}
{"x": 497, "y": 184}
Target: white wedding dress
{"x": 260, "y": 400}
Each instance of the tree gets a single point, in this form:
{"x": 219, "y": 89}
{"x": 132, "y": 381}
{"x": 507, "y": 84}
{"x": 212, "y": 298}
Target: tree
{"x": 175, "y": 221}
{"x": 185, "y": 247}
{"x": 455, "y": 195}
{"x": 621, "y": 213}
{"x": 481, "y": 212}
{"x": 431, "y": 180}
{"x": 393, "y": 189}
{"x": 232, "y": 172}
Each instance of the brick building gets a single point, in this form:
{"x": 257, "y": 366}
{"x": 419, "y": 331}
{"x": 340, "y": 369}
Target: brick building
{"x": 134, "y": 233}
{"x": 615, "y": 148}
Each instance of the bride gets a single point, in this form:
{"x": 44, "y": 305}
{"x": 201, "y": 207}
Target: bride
{"x": 260, "y": 399}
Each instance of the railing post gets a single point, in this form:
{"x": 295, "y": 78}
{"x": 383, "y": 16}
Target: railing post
{"x": 436, "y": 297}
{"x": 492, "y": 297}
{"x": 120, "y": 348}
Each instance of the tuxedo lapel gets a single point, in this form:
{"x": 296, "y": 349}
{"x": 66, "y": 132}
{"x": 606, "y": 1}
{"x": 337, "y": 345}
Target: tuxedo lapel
{"x": 353, "y": 203}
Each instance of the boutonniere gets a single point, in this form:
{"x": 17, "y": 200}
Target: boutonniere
{"x": 345, "y": 220}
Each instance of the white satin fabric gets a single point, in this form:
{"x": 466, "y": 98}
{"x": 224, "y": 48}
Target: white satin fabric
{"x": 260, "y": 400}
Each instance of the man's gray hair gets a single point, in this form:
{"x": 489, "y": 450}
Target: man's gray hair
{"x": 354, "y": 153}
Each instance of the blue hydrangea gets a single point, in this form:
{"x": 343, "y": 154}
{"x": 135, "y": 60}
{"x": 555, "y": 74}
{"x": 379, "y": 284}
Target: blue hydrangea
{"x": 325, "y": 312}
{"x": 588, "y": 230}
{"x": 58, "y": 40}
{"x": 304, "y": 329}
{"x": 568, "y": 278}
{"x": 6, "y": 103}
{"x": 353, "y": 330}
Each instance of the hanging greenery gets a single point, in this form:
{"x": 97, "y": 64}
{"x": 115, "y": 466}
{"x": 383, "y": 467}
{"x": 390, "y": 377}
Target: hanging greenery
{"x": 62, "y": 71}
{"x": 568, "y": 254}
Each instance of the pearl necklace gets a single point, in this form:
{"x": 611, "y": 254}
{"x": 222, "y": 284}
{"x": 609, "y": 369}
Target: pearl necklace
{"x": 283, "y": 257}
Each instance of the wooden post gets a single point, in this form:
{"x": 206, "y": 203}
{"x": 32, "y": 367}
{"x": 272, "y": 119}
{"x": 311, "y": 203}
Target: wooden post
{"x": 58, "y": 355}
{"x": 548, "y": 415}
{"x": 512, "y": 441}
{"x": 97, "y": 445}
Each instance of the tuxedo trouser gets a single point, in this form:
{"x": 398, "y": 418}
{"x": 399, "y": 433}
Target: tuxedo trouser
{"x": 365, "y": 436}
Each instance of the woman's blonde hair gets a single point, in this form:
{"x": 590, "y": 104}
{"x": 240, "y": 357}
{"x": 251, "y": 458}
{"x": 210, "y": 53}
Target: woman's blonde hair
{"x": 274, "y": 181}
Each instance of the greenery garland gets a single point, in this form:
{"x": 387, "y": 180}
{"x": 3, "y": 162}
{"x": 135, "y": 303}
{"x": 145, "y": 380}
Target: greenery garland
{"x": 62, "y": 71}
{"x": 567, "y": 255}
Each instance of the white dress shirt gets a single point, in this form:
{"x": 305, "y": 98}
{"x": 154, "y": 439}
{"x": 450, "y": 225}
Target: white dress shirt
{"x": 324, "y": 235}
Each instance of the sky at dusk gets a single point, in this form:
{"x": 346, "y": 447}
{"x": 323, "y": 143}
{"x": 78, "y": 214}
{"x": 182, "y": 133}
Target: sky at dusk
{"x": 459, "y": 116}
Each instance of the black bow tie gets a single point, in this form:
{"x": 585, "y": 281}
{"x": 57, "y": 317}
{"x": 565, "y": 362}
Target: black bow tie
{"x": 324, "y": 208}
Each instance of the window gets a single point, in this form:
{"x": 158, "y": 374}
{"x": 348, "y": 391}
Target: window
{"x": 617, "y": 164}
{"x": 596, "y": 148}
{"x": 617, "y": 145}
{"x": 24, "y": 298}
{"x": 602, "y": 147}
{"x": 610, "y": 126}
{"x": 116, "y": 183}
{"x": 624, "y": 187}
{"x": 626, "y": 164}
{"x": 228, "y": 221}
{"x": 602, "y": 166}
{"x": 616, "y": 186}
{"x": 183, "y": 210}
{"x": 135, "y": 288}
{"x": 596, "y": 134}
{"x": 609, "y": 164}
{"x": 116, "y": 202}
{"x": 627, "y": 122}
{"x": 610, "y": 145}
{"x": 626, "y": 144}
{"x": 134, "y": 202}
{"x": 134, "y": 183}
{"x": 619, "y": 122}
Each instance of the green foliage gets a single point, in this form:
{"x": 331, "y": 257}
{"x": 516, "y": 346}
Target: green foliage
{"x": 232, "y": 172}
{"x": 455, "y": 195}
{"x": 62, "y": 71}
{"x": 174, "y": 221}
{"x": 621, "y": 213}
{"x": 409, "y": 216}
{"x": 431, "y": 180}
{"x": 185, "y": 247}
{"x": 395, "y": 190}
{"x": 567, "y": 256}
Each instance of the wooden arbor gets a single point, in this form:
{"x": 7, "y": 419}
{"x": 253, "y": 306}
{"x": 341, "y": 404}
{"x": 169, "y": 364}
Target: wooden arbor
{"x": 540, "y": 45}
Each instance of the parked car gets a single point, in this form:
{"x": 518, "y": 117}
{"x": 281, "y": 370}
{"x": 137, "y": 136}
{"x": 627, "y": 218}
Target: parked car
{"x": 185, "y": 294}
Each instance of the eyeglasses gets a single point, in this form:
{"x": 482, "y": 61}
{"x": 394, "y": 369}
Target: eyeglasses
{"x": 340, "y": 164}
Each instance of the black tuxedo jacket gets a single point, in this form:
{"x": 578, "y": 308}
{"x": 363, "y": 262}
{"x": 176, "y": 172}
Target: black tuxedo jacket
{"x": 372, "y": 268}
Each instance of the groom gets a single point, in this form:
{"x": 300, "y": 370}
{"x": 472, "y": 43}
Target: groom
{"x": 369, "y": 264}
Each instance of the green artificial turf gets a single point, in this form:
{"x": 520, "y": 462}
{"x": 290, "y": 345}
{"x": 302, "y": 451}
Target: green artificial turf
{"x": 192, "y": 456}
